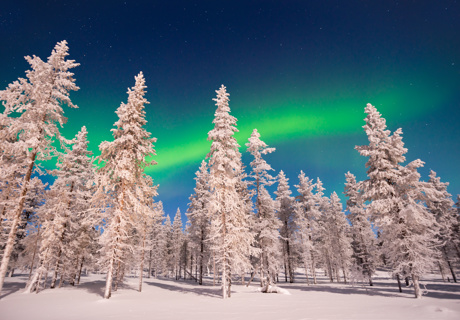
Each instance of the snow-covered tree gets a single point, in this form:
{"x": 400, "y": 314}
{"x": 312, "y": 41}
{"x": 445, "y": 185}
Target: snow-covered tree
{"x": 28, "y": 137}
{"x": 440, "y": 204}
{"x": 123, "y": 162}
{"x": 307, "y": 215}
{"x": 159, "y": 241}
{"x": 364, "y": 240}
{"x": 334, "y": 238}
{"x": 177, "y": 242}
{"x": 232, "y": 240}
{"x": 286, "y": 214}
{"x": 267, "y": 224}
{"x": 169, "y": 258}
{"x": 68, "y": 224}
{"x": 199, "y": 218}
{"x": 407, "y": 229}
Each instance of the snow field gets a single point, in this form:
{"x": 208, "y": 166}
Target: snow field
{"x": 170, "y": 299}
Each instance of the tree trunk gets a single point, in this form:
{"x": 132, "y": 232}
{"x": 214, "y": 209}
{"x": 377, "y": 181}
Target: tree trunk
{"x": 35, "y": 252}
{"x": 449, "y": 264}
{"x": 16, "y": 219}
{"x": 56, "y": 269}
{"x": 306, "y": 270}
{"x": 214, "y": 270}
{"x": 46, "y": 276}
{"x": 344, "y": 275}
{"x": 150, "y": 264}
{"x": 399, "y": 282}
{"x": 79, "y": 272}
{"x": 441, "y": 270}
{"x": 452, "y": 271}
{"x": 313, "y": 267}
{"x": 417, "y": 291}
{"x": 141, "y": 271}
{"x": 291, "y": 273}
{"x": 108, "y": 282}
{"x": 201, "y": 256}
{"x": 61, "y": 281}
{"x": 117, "y": 276}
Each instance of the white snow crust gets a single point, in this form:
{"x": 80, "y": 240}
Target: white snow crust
{"x": 170, "y": 299}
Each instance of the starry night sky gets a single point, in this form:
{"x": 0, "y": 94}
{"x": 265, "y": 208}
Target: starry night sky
{"x": 301, "y": 72}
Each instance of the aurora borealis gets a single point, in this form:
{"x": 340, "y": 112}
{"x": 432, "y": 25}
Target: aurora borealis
{"x": 301, "y": 72}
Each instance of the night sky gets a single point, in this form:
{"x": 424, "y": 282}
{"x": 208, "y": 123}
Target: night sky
{"x": 301, "y": 72}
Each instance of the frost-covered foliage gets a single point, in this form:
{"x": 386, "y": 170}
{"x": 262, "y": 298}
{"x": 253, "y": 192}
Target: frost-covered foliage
{"x": 266, "y": 224}
{"x": 231, "y": 236}
{"x": 364, "y": 241}
{"x": 122, "y": 188}
{"x": 286, "y": 214}
{"x": 409, "y": 231}
{"x": 28, "y": 137}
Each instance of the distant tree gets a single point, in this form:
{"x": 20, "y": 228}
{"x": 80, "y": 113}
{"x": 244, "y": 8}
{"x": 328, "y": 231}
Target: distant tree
{"x": 169, "y": 257}
{"x": 199, "y": 217}
{"x": 123, "y": 162}
{"x": 177, "y": 242}
{"x": 440, "y": 204}
{"x": 158, "y": 241}
{"x": 28, "y": 137}
{"x": 286, "y": 214}
{"x": 364, "y": 239}
{"x": 267, "y": 224}
{"x": 341, "y": 241}
{"x": 306, "y": 216}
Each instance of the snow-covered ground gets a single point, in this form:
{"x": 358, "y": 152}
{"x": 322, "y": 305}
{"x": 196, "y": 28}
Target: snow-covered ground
{"x": 170, "y": 299}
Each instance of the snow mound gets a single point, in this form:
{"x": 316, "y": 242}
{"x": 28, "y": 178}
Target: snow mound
{"x": 273, "y": 289}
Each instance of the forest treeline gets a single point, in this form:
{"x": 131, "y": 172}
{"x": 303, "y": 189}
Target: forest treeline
{"x": 100, "y": 214}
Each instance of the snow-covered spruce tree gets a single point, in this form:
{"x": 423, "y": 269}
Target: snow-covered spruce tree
{"x": 364, "y": 240}
{"x": 342, "y": 252}
{"x": 159, "y": 241}
{"x": 440, "y": 204}
{"x": 407, "y": 229}
{"x": 169, "y": 259}
{"x": 67, "y": 228}
{"x": 38, "y": 100}
{"x": 323, "y": 239}
{"x": 123, "y": 162}
{"x": 198, "y": 215}
{"x": 80, "y": 170}
{"x": 177, "y": 241}
{"x": 231, "y": 238}
{"x": 286, "y": 214}
{"x": 266, "y": 224}
{"x": 307, "y": 215}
